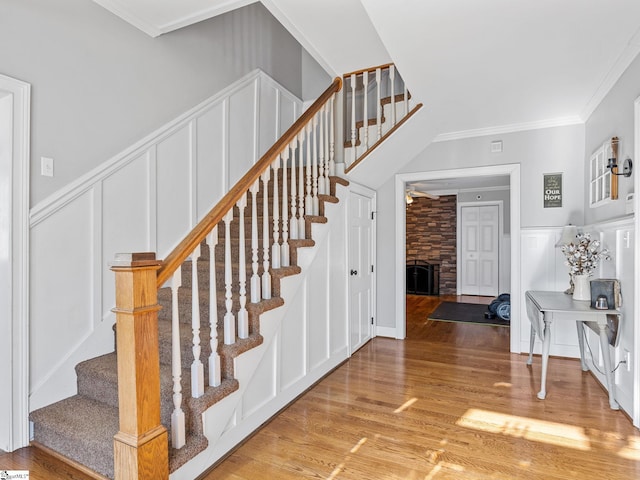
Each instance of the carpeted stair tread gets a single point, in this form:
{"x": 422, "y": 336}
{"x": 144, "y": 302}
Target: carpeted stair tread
{"x": 80, "y": 429}
{"x": 98, "y": 379}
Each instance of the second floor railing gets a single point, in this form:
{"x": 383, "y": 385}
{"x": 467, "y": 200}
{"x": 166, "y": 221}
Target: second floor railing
{"x": 376, "y": 102}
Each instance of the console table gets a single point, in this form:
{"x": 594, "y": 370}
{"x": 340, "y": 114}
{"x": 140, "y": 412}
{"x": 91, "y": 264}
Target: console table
{"x": 541, "y": 307}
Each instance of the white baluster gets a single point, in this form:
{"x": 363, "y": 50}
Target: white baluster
{"x": 392, "y": 78}
{"x": 301, "y": 226}
{"x": 314, "y": 169}
{"x": 284, "y": 248}
{"x": 378, "y": 103}
{"x": 215, "y": 377}
{"x": 178, "y": 437}
{"x": 229, "y": 319}
{"x": 275, "y": 248}
{"x": 324, "y": 164}
{"x": 255, "y": 278}
{"x": 243, "y": 315}
{"x": 293, "y": 221}
{"x": 266, "y": 275}
{"x": 197, "y": 369}
{"x": 365, "y": 111}
{"x": 332, "y": 146}
{"x": 353, "y": 117}
{"x": 308, "y": 201}
{"x": 406, "y": 100}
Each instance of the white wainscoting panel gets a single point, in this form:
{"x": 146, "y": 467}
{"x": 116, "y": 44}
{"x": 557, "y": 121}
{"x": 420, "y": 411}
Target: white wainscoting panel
{"x": 243, "y": 128}
{"x": 542, "y": 268}
{"x": 313, "y": 319}
{"x": 61, "y": 290}
{"x": 211, "y": 169}
{"x": 127, "y": 214}
{"x": 173, "y": 166}
{"x": 269, "y": 100}
{"x": 293, "y": 359}
{"x": 144, "y": 199}
{"x": 319, "y": 299}
{"x": 618, "y": 237}
{"x": 263, "y": 385}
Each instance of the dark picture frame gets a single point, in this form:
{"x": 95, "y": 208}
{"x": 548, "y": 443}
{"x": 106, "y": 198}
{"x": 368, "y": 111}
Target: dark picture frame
{"x": 552, "y": 190}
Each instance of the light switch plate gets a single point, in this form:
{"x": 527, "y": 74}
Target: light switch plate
{"x": 46, "y": 166}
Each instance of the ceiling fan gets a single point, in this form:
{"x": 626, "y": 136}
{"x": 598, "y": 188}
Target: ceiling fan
{"x": 411, "y": 194}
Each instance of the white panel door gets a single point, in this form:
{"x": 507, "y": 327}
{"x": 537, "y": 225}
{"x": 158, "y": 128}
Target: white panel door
{"x": 480, "y": 250}
{"x": 360, "y": 269}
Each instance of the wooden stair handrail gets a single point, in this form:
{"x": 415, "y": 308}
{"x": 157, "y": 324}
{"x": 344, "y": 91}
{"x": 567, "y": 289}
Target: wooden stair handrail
{"x": 365, "y": 70}
{"x": 182, "y": 251}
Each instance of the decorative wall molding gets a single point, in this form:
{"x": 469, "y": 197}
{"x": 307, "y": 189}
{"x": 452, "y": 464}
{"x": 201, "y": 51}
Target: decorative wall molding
{"x": 67, "y": 194}
{"x": 125, "y": 205}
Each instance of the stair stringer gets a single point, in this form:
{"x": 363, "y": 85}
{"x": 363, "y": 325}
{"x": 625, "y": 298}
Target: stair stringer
{"x": 266, "y": 374}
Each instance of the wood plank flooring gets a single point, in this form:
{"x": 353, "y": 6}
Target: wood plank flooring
{"x": 450, "y": 402}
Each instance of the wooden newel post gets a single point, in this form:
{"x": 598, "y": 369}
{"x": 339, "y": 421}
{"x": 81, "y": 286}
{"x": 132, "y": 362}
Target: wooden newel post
{"x": 141, "y": 445}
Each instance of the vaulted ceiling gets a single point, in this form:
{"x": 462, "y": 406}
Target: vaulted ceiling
{"x": 477, "y": 65}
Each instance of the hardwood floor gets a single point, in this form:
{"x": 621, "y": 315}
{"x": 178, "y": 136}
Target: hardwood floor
{"x": 450, "y": 402}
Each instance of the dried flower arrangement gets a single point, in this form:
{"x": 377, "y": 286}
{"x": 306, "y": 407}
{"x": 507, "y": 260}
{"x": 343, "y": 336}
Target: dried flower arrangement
{"x": 583, "y": 254}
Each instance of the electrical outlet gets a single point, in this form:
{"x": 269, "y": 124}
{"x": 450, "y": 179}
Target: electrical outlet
{"x": 627, "y": 359}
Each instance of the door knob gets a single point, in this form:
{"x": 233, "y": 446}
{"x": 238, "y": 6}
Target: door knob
{"x": 354, "y": 272}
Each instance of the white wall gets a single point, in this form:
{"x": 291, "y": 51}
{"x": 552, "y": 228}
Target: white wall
{"x": 614, "y": 117}
{"x": 314, "y": 79}
{"x": 145, "y": 199}
{"x": 550, "y": 150}
{"x": 99, "y": 84}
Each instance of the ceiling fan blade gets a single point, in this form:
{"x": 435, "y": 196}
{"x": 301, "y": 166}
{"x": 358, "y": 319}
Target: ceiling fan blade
{"x": 417, "y": 193}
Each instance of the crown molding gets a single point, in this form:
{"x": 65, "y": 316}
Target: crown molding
{"x": 613, "y": 75}
{"x": 143, "y": 20}
{"x": 514, "y": 127}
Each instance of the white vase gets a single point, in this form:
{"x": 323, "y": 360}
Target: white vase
{"x": 581, "y": 287}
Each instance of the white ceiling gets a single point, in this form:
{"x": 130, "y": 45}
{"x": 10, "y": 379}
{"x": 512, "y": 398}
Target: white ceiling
{"x": 496, "y": 63}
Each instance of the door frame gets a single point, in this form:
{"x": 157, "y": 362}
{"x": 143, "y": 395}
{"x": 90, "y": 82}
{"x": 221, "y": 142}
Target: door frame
{"x": 18, "y": 434}
{"x": 371, "y": 194}
{"x": 485, "y": 203}
{"x": 401, "y": 179}
{"x": 636, "y": 303}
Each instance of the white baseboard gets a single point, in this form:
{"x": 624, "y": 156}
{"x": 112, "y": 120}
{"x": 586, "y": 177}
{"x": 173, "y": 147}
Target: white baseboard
{"x": 386, "y": 332}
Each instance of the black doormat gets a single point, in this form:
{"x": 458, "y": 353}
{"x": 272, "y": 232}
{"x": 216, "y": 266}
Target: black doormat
{"x": 465, "y": 313}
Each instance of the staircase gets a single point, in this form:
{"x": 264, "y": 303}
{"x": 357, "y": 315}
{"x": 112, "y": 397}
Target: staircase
{"x": 82, "y": 427}
{"x": 229, "y": 269}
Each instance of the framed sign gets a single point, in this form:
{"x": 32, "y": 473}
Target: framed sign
{"x": 552, "y": 190}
